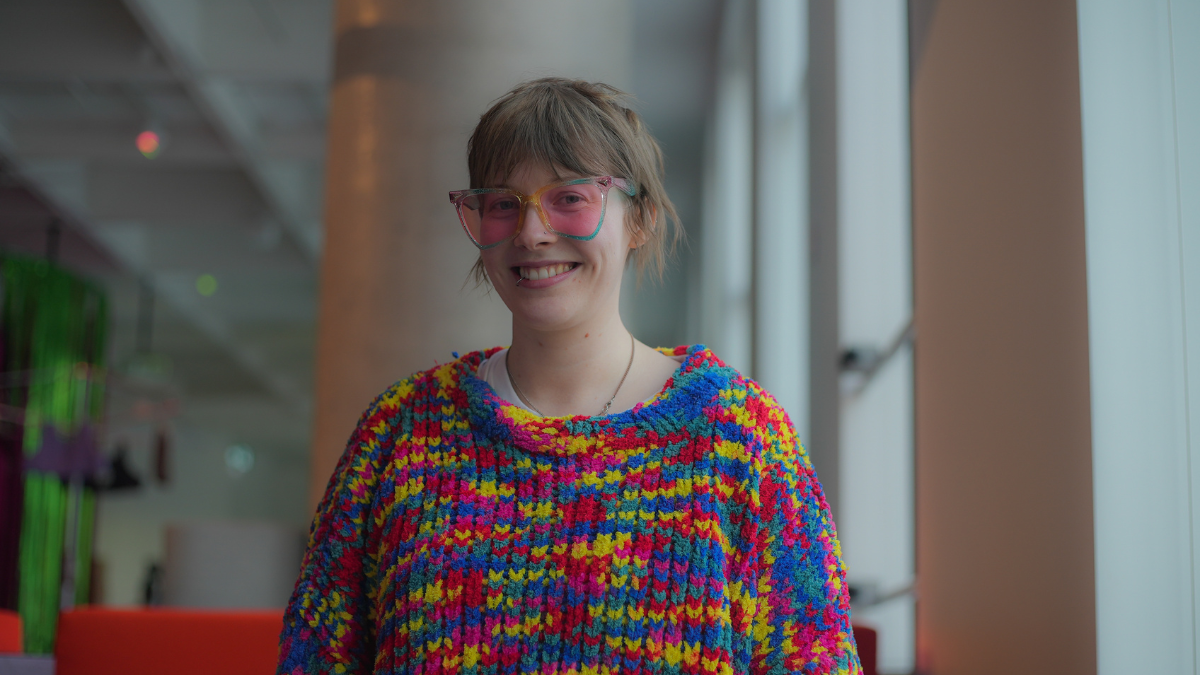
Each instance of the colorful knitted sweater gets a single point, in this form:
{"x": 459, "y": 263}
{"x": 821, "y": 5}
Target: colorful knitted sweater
{"x": 463, "y": 535}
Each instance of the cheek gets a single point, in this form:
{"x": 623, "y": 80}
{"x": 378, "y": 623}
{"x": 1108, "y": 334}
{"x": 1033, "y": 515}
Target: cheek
{"x": 614, "y": 238}
{"x": 490, "y": 259}
{"x": 608, "y": 258}
{"x": 492, "y": 265}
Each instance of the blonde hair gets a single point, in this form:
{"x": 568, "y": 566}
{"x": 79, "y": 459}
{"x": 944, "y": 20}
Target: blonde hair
{"x": 588, "y": 129}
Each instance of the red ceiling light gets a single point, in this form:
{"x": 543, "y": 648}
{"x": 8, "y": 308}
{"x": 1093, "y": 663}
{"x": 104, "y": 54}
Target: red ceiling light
{"x": 148, "y": 143}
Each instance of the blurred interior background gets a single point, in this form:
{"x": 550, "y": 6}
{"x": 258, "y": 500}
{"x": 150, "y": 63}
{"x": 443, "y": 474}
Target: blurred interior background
{"x": 223, "y": 230}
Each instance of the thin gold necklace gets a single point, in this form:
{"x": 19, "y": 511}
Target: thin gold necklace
{"x": 632, "y": 351}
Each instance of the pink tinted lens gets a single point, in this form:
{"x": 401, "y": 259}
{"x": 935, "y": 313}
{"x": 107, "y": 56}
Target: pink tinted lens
{"x": 574, "y": 209}
{"x": 490, "y": 217}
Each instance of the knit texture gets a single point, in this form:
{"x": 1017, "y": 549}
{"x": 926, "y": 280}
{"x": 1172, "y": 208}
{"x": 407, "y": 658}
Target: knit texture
{"x": 462, "y": 534}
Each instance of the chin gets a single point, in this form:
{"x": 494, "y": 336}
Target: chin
{"x": 546, "y": 314}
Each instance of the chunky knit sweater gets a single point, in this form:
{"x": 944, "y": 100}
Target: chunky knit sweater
{"x": 463, "y": 535}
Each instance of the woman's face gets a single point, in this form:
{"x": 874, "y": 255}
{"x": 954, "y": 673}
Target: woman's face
{"x": 564, "y": 282}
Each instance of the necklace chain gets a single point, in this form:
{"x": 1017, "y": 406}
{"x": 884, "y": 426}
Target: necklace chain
{"x": 521, "y": 395}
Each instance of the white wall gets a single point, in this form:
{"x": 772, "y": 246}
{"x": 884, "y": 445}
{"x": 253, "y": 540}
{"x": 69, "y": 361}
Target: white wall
{"x": 1140, "y": 78}
{"x": 131, "y": 525}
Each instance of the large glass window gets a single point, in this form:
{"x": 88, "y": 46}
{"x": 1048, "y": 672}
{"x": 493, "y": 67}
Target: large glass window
{"x": 807, "y": 265}
{"x": 874, "y": 321}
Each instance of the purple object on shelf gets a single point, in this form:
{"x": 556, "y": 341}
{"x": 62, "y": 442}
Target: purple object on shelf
{"x": 75, "y": 455}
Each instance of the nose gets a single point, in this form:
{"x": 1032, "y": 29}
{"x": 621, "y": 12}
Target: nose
{"x": 534, "y": 232}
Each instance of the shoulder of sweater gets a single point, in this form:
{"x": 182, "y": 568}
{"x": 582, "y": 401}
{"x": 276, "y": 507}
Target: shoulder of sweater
{"x": 439, "y": 380}
{"x": 373, "y": 439}
{"x": 736, "y": 387}
{"x": 395, "y": 397}
{"x": 756, "y": 409}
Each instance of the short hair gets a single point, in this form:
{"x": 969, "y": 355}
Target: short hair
{"x": 587, "y": 128}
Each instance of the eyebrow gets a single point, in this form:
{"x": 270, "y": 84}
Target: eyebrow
{"x": 557, "y": 178}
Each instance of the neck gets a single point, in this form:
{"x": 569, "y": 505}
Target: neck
{"x": 570, "y": 371}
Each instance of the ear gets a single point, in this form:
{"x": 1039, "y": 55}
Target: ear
{"x": 641, "y": 235}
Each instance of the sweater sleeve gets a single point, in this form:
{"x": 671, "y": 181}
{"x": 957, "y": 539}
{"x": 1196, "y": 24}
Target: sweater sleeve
{"x": 329, "y": 623}
{"x": 801, "y": 622}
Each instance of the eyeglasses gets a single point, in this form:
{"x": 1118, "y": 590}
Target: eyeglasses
{"x": 572, "y": 208}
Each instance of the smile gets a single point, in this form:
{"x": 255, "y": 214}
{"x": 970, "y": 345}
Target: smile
{"x": 546, "y": 271}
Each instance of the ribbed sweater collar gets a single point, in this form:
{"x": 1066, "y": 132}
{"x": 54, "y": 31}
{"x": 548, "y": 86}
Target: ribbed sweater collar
{"x": 681, "y": 403}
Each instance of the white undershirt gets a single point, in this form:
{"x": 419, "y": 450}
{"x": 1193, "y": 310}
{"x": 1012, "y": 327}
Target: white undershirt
{"x": 493, "y": 370}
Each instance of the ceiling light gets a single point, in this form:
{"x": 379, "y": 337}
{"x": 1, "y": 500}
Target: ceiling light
{"x": 149, "y": 143}
{"x": 239, "y": 460}
{"x": 206, "y": 285}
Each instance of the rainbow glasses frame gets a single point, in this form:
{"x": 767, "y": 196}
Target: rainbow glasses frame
{"x": 457, "y": 197}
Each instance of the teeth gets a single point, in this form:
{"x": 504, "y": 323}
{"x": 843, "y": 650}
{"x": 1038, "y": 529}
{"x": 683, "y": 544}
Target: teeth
{"x": 534, "y": 273}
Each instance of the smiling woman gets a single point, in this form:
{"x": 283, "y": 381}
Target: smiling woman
{"x": 579, "y": 501}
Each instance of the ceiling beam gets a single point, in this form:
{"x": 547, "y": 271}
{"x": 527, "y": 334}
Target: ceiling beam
{"x": 175, "y": 29}
{"x": 65, "y": 184}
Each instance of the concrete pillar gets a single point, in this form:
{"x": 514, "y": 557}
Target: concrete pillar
{"x": 1005, "y": 561}
{"x": 411, "y": 79}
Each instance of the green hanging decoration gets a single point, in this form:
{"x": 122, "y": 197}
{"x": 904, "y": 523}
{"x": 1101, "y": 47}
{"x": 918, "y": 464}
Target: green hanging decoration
{"x": 54, "y": 329}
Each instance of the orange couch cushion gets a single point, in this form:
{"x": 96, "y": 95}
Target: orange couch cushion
{"x": 10, "y": 632}
{"x": 96, "y": 641}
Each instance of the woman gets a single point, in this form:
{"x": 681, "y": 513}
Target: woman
{"x": 578, "y": 502}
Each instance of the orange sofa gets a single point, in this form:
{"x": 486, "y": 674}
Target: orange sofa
{"x": 94, "y": 641}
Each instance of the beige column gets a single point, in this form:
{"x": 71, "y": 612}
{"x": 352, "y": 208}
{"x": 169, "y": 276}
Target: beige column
{"x": 1004, "y": 477}
{"x": 411, "y": 79}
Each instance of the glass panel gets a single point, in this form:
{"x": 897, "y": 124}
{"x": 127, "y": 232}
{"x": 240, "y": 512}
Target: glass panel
{"x": 876, "y": 520}
{"x": 490, "y": 217}
{"x": 574, "y": 210}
